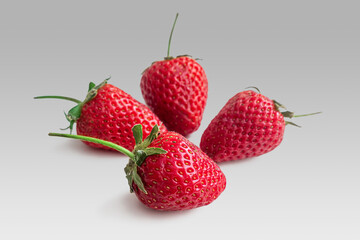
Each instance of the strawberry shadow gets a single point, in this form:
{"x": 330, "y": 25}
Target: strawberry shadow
{"x": 235, "y": 162}
{"x": 78, "y": 146}
{"x": 127, "y": 205}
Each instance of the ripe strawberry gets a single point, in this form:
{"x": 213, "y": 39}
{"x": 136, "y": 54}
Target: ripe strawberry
{"x": 249, "y": 125}
{"x": 176, "y": 89}
{"x": 183, "y": 178}
{"x": 109, "y": 113}
{"x": 168, "y": 173}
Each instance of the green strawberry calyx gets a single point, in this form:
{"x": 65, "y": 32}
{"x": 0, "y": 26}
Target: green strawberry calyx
{"x": 74, "y": 113}
{"x": 136, "y": 157}
{"x": 141, "y": 152}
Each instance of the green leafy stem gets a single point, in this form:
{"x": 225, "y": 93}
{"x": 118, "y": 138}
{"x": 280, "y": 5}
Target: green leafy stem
{"x": 137, "y": 156}
{"x": 74, "y": 113}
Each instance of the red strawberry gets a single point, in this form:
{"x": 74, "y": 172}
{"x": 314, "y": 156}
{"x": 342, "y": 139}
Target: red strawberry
{"x": 183, "y": 178}
{"x": 249, "y": 125}
{"x": 109, "y": 113}
{"x": 176, "y": 89}
{"x": 169, "y": 173}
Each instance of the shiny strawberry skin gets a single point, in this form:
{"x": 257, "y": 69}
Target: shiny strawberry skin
{"x": 176, "y": 91}
{"x": 183, "y": 178}
{"x": 110, "y": 116}
{"x": 247, "y": 126}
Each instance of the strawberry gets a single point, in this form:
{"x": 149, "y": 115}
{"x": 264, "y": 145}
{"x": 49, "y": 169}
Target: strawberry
{"x": 176, "y": 89}
{"x": 168, "y": 173}
{"x": 109, "y": 113}
{"x": 249, "y": 125}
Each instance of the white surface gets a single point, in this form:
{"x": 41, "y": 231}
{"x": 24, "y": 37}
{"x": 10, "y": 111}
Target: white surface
{"x": 304, "y": 54}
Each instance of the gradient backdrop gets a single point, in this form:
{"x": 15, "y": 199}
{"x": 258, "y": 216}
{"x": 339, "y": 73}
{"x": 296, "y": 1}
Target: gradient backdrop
{"x": 305, "y": 54}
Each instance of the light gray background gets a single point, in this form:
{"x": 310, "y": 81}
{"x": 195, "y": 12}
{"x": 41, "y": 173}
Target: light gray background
{"x": 305, "y": 54}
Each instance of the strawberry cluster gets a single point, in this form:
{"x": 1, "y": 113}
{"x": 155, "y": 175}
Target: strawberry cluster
{"x": 166, "y": 171}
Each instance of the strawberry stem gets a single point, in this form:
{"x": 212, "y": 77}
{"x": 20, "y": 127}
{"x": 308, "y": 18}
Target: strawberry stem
{"x": 309, "y": 114}
{"x": 172, "y": 30}
{"x": 59, "y": 97}
{"x": 137, "y": 157}
{"x": 95, "y": 140}
{"x": 288, "y": 114}
{"x": 257, "y": 89}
